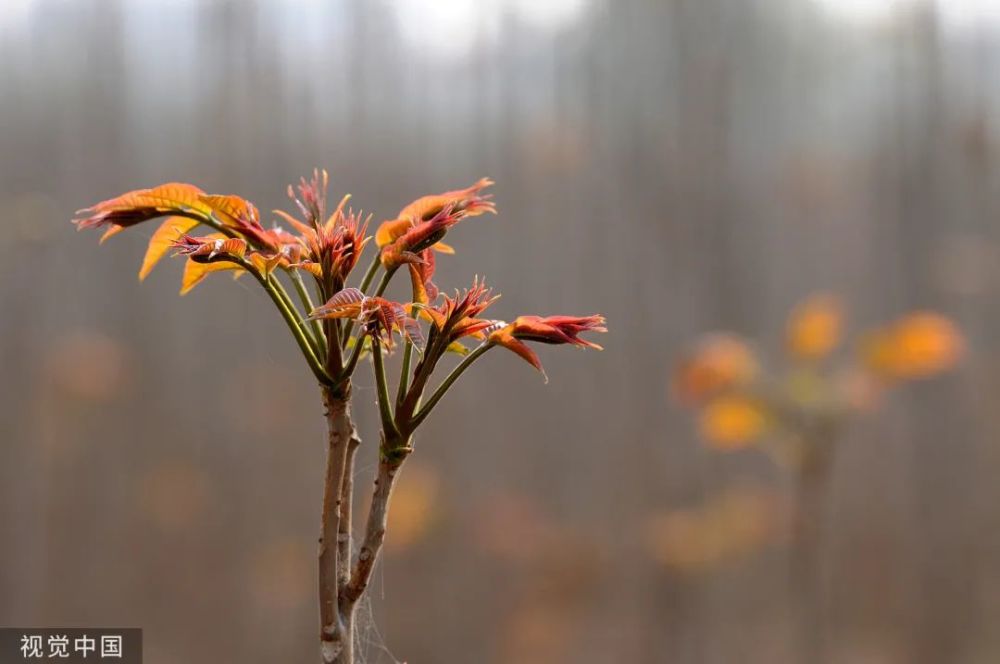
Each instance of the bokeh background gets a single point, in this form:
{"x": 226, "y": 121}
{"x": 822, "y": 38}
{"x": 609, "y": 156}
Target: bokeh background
{"x": 679, "y": 166}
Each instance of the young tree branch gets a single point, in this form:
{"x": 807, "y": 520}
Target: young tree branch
{"x": 447, "y": 383}
{"x": 307, "y": 304}
{"x": 384, "y": 406}
{"x": 334, "y": 639}
{"x": 294, "y": 322}
{"x": 371, "y": 544}
{"x": 345, "y": 532}
{"x": 404, "y": 372}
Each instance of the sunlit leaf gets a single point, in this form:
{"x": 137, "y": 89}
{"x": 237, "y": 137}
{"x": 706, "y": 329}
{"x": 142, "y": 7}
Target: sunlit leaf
{"x": 346, "y": 303}
{"x": 137, "y": 206}
{"x": 457, "y": 348}
{"x": 195, "y": 273}
{"x": 229, "y": 209}
{"x": 523, "y": 351}
{"x": 390, "y": 231}
{"x": 173, "y": 195}
{"x": 110, "y": 233}
{"x": 162, "y": 240}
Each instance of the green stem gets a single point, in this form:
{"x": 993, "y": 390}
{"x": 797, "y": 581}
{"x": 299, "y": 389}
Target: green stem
{"x": 290, "y": 306}
{"x": 421, "y": 374}
{"x": 294, "y": 323}
{"x": 447, "y": 383}
{"x": 279, "y": 296}
{"x": 385, "y": 410}
{"x": 404, "y": 373}
{"x": 352, "y": 362}
{"x": 314, "y": 325}
{"x": 384, "y": 283}
{"x": 334, "y": 351}
{"x": 366, "y": 281}
{"x": 211, "y": 222}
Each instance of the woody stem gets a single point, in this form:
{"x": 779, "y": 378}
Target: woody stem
{"x": 336, "y": 632}
{"x": 391, "y": 458}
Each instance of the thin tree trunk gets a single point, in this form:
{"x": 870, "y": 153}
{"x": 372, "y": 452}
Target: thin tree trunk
{"x": 345, "y": 547}
{"x": 336, "y": 633}
{"x": 378, "y": 513}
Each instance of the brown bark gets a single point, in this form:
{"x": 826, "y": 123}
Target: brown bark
{"x": 388, "y": 470}
{"x": 336, "y": 633}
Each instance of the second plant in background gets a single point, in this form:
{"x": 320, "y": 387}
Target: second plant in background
{"x": 797, "y": 412}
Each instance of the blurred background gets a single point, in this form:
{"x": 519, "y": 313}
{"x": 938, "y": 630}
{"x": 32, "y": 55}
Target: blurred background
{"x": 679, "y": 166}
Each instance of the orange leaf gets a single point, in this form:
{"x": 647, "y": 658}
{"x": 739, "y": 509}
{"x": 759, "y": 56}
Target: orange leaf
{"x": 315, "y": 269}
{"x": 338, "y": 214}
{"x": 303, "y": 229}
{"x": 143, "y": 204}
{"x": 173, "y": 196}
{"x": 164, "y": 237}
{"x": 457, "y": 348}
{"x": 195, "y": 273}
{"x": 523, "y": 350}
{"x": 468, "y": 199}
{"x": 391, "y": 230}
{"x": 265, "y": 264}
{"x": 111, "y": 232}
{"x": 230, "y": 209}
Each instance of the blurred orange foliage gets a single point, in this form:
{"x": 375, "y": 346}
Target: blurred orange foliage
{"x": 415, "y": 506}
{"x": 733, "y": 421}
{"x": 814, "y": 327}
{"x": 173, "y": 495}
{"x": 281, "y": 574}
{"x": 739, "y": 403}
{"x": 915, "y": 346}
{"x": 720, "y": 361}
{"x": 727, "y": 528}
{"x": 88, "y": 365}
